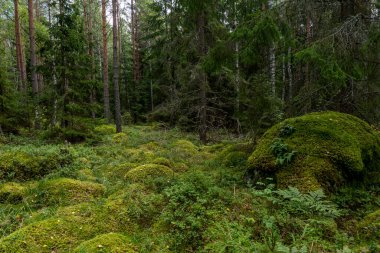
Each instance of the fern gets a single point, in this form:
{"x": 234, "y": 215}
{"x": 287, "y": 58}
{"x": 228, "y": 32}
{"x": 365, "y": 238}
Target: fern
{"x": 282, "y": 152}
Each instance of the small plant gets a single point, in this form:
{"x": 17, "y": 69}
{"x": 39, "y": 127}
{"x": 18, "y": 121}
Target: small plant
{"x": 282, "y": 152}
{"x": 287, "y": 131}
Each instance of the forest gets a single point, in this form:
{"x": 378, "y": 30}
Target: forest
{"x": 190, "y": 126}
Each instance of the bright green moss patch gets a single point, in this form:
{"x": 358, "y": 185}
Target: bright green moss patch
{"x": 163, "y": 161}
{"x": 148, "y": 171}
{"x": 105, "y": 129}
{"x": 67, "y": 191}
{"x": 26, "y": 163}
{"x": 12, "y": 193}
{"x": 330, "y": 149}
{"x": 236, "y": 154}
{"x": 186, "y": 147}
{"x": 120, "y": 138}
{"x": 111, "y": 243}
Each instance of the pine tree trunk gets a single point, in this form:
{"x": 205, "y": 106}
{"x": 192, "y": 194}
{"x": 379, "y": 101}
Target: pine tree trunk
{"x": 19, "y": 52}
{"x": 32, "y": 48}
{"x": 106, "y": 94}
{"x": 290, "y": 74}
{"x": 203, "y": 80}
{"x": 116, "y": 68}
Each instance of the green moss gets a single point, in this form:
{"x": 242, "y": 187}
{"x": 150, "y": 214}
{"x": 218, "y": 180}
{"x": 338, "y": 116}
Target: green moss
{"x": 105, "y": 129}
{"x": 26, "y": 163}
{"x": 86, "y": 175}
{"x": 110, "y": 243}
{"x": 120, "y": 138}
{"x": 185, "y": 146}
{"x": 235, "y": 154}
{"x": 12, "y": 193}
{"x": 332, "y": 148}
{"x": 65, "y": 191}
{"x": 139, "y": 155}
{"x": 370, "y": 225}
{"x": 143, "y": 172}
{"x": 65, "y": 231}
{"x": 163, "y": 161}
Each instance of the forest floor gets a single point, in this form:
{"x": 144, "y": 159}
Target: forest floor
{"x": 151, "y": 189}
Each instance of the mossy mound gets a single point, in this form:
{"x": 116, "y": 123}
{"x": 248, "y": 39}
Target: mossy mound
{"x": 236, "y": 154}
{"x": 370, "y": 225}
{"x": 120, "y": 138}
{"x": 318, "y": 150}
{"x": 163, "y": 161}
{"x": 111, "y": 243}
{"x": 86, "y": 175}
{"x": 64, "y": 232}
{"x": 65, "y": 191}
{"x": 148, "y": 171}
{"x": 28, "y": 163}
{"x": 186, "y": 147}
{"x": 12, "y": 193}
{"x": 139, "y": 155}
{"x": 105, "y": 129}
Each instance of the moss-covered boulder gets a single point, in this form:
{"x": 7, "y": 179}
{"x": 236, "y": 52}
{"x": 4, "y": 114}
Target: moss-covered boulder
{"x": 66, "y": 191}
{"x": 318, "y": 150}
{"x": 120, "y": 138}
{"x": 110, "y": 243}
{"x": 148, "y": 171}
{"x": 186, "y": 147}
{"x": 26, "y": 163}
{"x": 12, "y": 193}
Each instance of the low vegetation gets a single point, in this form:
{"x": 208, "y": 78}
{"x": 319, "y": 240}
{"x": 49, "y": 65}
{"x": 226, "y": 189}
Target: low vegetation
{"x": 155, "y": 190}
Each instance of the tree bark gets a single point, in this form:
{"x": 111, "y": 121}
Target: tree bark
{"x": 19, "y": 51}
{"x": 203, "y": 80}
{"x": 116, "y": 68}
{"x": 106, "y": 94}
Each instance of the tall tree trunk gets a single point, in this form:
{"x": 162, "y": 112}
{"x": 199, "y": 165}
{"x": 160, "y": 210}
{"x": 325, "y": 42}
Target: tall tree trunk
{"x": 32, "y": 48}
{"x": 116, "y": 68}
{"x": 33, "y": 60}
{"x": 19, "y": 51}
{"x": 290, "y": 74}
{"x": 272, "y": 61}
{"x": 106, "y": 94}
{"x": 203, "y": 79}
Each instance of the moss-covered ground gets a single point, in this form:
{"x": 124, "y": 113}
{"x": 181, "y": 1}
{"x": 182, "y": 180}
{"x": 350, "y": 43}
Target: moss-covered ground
{"x": 151, "y": 189}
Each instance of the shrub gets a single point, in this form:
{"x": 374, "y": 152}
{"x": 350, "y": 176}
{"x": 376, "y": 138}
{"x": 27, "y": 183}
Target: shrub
{"x": 370, "y": 225}
{"x": 110, "y": 243}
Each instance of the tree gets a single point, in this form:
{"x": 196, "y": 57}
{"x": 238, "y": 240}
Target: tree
{"x": 19, "y": 49}
{"x": 116, "y": 67}
{"x": 106, "y": 94}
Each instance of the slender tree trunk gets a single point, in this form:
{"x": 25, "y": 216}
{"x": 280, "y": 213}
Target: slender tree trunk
{"x": 106, "y": 94}
{"x": 33, "y": 60}
{"x": 116, "y": 68}
{"x": 203, "y": 80}
{"x": 272, "y": 61}
{"x": 19, "y": 51}
{"x": 290, "y": 74}
{"x": 32, "y": 48}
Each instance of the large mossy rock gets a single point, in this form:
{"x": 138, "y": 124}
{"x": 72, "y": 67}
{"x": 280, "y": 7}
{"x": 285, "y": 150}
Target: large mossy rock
{"x": 318, "y": 150}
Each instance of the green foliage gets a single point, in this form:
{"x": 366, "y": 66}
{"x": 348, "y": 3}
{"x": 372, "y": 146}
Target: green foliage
{"x": 281, "y": 151}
